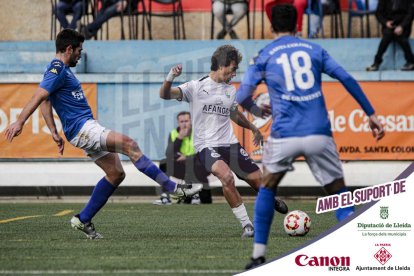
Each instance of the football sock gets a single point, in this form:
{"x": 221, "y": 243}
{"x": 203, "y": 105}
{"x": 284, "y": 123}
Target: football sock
{"x": 263, "y": 215}
{"x": 343, "y": 213}
{"x": 241, "y": 214}
{"x": 148, "y": 168}
{"x": 102, "y": 191}
{"x": 259, "y": 250}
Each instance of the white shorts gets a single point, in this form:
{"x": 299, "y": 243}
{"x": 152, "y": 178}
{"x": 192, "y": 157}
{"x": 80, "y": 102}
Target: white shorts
{"x": 92, "y": 139}
{"x": 319, "y": 152}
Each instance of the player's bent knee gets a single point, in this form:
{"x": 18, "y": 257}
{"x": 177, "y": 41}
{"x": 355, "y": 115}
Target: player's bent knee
{"x": 131, "y": 148}
{"x": 130, "y": 144}
{"x": 116, "y": 177}
{"x": 227, "y": 180}
{"x": 121, "y": 176}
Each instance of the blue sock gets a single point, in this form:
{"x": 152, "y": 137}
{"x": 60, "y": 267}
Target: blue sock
{"x": 148, "y": 168}
{"x": 343, "y": 213}
{"x": 263, "y": 215}
{"x": 103, "y": 190}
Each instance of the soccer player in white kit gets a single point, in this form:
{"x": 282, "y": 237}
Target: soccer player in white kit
{"x": 212, "y": 104}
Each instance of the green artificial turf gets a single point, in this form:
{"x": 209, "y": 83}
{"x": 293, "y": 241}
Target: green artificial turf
{"x": 139, "y": 239}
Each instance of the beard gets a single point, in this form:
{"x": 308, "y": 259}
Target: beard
{"x": 72, "y": 63}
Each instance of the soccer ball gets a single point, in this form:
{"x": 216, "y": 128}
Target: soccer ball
{"x": 297, "y": 223}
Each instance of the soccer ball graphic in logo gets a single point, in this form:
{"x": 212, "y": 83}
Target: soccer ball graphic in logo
{"x": 297, "y": 223}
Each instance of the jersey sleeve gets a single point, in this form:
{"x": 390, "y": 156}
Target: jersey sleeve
{"x": 54, "y": 77}
{"x": 188, "y": 89}
{"x": 354, "y": 89}
{"x": 329, "y": 65}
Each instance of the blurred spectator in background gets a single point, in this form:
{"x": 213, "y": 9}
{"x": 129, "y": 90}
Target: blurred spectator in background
{"x": 395, "y": 17}
{"x": 238, "y": 9}
{"x": 65, "y": 7}
{"x": 372, "y": 4}
{"x": 301, "y": 6}
{"x": 182, "y": 163}
{"x": 269, "y": 6}
{"x": 109, "y": 9}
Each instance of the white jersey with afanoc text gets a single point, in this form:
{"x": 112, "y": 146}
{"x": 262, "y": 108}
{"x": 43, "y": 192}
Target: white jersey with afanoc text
{"x": 210, "y": 105}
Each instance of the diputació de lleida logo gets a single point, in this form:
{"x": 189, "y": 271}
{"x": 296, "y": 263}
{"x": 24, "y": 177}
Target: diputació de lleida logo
{"x": 384, "y": 212}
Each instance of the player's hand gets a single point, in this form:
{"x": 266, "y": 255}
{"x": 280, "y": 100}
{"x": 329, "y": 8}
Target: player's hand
{"x": 376, "y": 127}
{"x": 120, "y": 6}
{"x": 257, "y": 137}
{"x": 266, "y": 110}
{"x": 389, "y": 24}
{"x": 398, "y": 30}
{"x": 181, "y": 158}
{"x": 174, "y": 72}
{"x": 60, "y": 142}
{"x": 13, "y": 130}
{"x": 262, "y": 112}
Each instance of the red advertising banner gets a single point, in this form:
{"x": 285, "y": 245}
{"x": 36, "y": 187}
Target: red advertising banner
{"x": 35, "y": 141}
{"x": 205, "y": 5}
{"x": 202, "y": 5}
{"x": 393, "y": 102}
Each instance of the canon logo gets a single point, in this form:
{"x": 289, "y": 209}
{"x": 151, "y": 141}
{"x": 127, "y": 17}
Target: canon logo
{"x": 303, "y": 260}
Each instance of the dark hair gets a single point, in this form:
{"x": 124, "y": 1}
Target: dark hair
{"x": 284, "y": 18}
{"x": 183, "y": 113}
{"x": 224, "y": 55}
{"x": 68, "y": 37}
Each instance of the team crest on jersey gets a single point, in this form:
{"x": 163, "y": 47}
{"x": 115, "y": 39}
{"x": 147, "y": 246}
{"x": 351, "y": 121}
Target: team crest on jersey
{"x": 219, "y": 101}
{"x": 244, "y": 153}
{"x": 78, "y": 94}
{"x": 227, "y": 93}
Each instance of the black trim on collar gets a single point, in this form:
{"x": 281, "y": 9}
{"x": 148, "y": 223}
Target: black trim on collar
{"x": 203, "y": 78}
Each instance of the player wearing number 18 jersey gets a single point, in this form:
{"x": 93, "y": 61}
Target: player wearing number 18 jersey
{"x": 292, "y": 70}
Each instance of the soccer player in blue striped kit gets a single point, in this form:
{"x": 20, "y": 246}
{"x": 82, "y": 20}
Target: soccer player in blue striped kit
{"x": 62, "y": 90}
{"x": 292, "y": 70}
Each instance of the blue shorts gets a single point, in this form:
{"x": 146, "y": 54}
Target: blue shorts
{"x": 235, "y": 156}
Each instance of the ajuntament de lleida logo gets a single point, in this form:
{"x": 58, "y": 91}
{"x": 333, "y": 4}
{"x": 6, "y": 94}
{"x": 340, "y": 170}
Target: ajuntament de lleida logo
{"x": 384, "y": 212}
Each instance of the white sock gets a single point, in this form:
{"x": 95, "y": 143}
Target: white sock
{"x": 241, "y": 214}
{"x": 259, "y": 250}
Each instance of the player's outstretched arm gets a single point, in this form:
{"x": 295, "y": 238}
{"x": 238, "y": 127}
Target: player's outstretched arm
{"x": 47, "y": 112}
{"x": 355, "y": 90}
{"x": 16, "y": 128}
{"x": 376, "y": 127}
{"x": 241, "y": 120}
{"x": 166, "y": 91}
